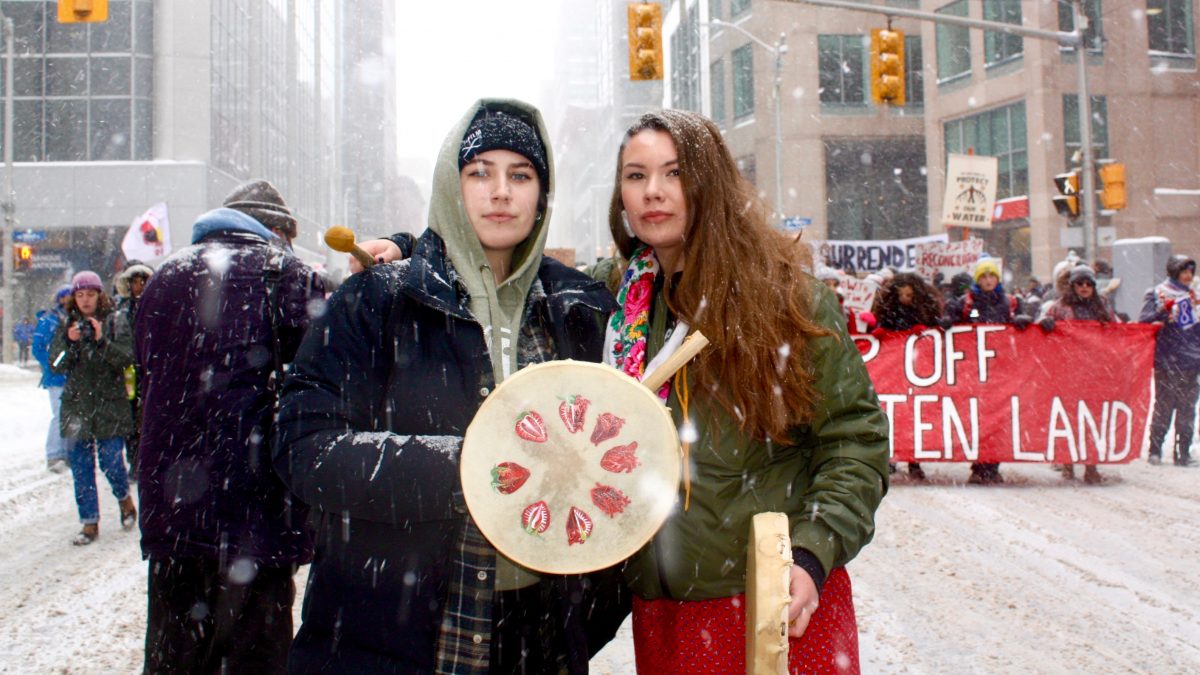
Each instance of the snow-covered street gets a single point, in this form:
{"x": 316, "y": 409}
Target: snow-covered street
{"x": 1038, "y": 575}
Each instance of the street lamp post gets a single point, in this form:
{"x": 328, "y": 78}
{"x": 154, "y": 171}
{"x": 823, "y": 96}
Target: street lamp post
{"x": 778, "y": 50}
{"x": 10, "y": 199}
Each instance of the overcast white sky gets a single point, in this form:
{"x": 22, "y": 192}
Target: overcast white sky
{"x": 451, "y": 52}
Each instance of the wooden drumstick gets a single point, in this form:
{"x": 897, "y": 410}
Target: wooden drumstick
{"x": 341, "y": 239}
{"x": 686, "y": 352}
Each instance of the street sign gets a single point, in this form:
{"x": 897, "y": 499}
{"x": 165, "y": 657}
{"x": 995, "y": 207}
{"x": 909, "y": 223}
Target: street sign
{"x": 793, "y": 223}
{"x": 29, "y": 237}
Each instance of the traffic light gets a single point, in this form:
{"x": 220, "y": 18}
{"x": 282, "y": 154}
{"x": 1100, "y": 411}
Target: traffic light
{"x": 82, "y": 11}
{"x": 887, "y": 66}
{"x": 645, "y": 41}
{"x": 22, "y": 257}
{"x": 1112, "y": 190}
{"x": 1067, "y": 202}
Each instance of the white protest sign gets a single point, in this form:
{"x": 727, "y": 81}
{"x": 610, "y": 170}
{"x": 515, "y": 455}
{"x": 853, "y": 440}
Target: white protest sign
{"x": 949, "y": 258}
{"x": 970, "y": 191}
{"x": 870, "y": 255}
{"x": 859, "y": 294}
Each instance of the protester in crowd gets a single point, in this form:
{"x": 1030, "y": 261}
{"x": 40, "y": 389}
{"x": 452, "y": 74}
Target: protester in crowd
{"x": 23, "y": 338}
{"x": 215, "y": 326}
{"x": 1081, "y": 301}
{"x": 91, "y": 348}
{"x": 816, "y": 449}
{"x": 985, "y": 302}
{"x": 48, "y": 321}
{"x": 130, "y": 284}
{"x": 373, "y": 416}
{"x": 1172, "y": 304}
{"x": 907, "y": 302}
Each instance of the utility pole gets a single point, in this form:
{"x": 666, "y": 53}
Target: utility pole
{"x": 10, "y": 199}
{"x": 778, "y": 50}
{"x": 1087, "y": 205}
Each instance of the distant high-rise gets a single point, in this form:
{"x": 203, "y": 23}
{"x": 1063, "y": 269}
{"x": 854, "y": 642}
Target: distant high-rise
{"x": 178, "y": 102}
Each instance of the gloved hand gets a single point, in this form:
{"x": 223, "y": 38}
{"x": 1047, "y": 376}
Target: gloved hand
{"x": 1047, "y": 324}
{"x": 945, "y": 322}
{"x": 869, "y": 319}
{"x": 1021, "y": 321}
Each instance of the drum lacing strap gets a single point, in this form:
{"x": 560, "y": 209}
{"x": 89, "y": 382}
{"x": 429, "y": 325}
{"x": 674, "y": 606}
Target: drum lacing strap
{"x": 681, "y": 392}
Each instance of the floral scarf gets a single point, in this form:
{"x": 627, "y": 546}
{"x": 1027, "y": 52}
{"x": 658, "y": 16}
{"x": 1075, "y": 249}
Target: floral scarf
{"x": 625, "y": 337}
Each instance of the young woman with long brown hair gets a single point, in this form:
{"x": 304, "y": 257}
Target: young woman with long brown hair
{"x": 778, "y": 414}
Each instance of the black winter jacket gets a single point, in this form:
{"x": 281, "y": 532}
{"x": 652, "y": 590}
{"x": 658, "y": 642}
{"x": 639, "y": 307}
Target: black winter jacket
{"x": 383, "y": 389}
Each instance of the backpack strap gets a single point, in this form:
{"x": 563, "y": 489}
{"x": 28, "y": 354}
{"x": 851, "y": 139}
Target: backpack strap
{"x": 272, "y": 275}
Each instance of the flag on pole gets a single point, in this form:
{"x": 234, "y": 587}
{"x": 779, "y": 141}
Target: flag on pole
{"x": 149, "y": 236}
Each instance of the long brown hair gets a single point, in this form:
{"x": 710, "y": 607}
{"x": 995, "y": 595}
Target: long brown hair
{"x": 104, "y": 307}
{"x": 744, "y": 285}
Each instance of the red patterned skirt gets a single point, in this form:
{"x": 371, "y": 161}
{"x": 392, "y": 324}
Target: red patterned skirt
{"x": 709, "y": 636}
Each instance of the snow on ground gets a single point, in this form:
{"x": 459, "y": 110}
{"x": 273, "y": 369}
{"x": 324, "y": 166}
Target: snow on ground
{"x": 1037, "y": 575}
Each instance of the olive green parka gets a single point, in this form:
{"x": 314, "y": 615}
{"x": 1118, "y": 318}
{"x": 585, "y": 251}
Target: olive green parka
{"x": 829, "y": 481}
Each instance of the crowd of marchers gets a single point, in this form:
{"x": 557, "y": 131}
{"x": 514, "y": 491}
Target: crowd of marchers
{"x": 1078, "y": 292}
{"x": 269, "y": 423}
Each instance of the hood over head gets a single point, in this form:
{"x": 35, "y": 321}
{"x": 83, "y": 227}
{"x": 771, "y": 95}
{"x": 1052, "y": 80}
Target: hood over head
{"x": 1176, "y": 264}
{"x": 229, "y": 220}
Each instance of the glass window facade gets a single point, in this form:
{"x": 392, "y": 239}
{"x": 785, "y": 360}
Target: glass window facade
{"x": 999, "y": 133}
{"x": 1093, "y": 37}
{"x": 843, "y": 70}
{"x": 914, "y": 73}
{"x": 685, "y": 62}
{"x": 953, "y": 44}
{"x": 738, "y": 7}
{"x": 716, "y": 76}
{"x": 1071, "y": 127}
{"x": 82, "y": 91}
{"x": 1170, "y": 25}
{"x": 876, "y": 189}
{"x": 1001, "y": 47}
{"x": 743, "y": 81}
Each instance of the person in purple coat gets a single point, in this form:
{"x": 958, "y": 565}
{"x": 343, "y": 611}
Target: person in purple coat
{"x": 213, "y": 329}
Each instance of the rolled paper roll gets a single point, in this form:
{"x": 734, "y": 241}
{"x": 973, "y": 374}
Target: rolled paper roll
{"x": 341, "y": 239}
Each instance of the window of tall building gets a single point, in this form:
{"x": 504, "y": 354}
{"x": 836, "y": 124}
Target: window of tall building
{"x": 743, "y": 81}
{"x": 685, "y": 62}
{"x": 876, "y": 189}
{"x": 914, "y": 72}
{"x": 716, "y": 85}
{"x": 1093, "y": 37}
{"x": 1001, "y": 47}
{"x": 953, "y": 44}
{"x": 82, "y": 91}
{"x": 843, "y": 70}
{"x": 1099, "y": 119}
{"x": 714, "y": 9}
{"x": 1172, "y": 37}
{"x": 999, "y": 133}
{"x": 738, "y": 7}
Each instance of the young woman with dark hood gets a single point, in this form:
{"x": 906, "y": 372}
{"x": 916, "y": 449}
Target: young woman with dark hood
{"x": 777, "y": 414}
{"x": 92, "y": 347}
{"x": 373, "y": 417}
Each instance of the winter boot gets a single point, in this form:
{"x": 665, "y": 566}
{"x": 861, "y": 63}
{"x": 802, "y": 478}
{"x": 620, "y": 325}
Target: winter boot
{"x": 1068, "y": 471}
{"x": 915, "y": 471}
{"x": 1155, "y": 460}
{"x": 1091, "y": 475}
{"x": 87, "y": 535}
{"x": 129, "y": 516}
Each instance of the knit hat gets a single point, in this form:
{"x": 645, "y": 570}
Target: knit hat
{"x": 62, "y": 292}
{"x": 86, "y": 279}
{"x": 1083, "y": 273}
{"x": 1176, "y": 264}
{"x": 496, "y": 130}
{"x": 986, "y": 266}
{"x": 262, "y": 202}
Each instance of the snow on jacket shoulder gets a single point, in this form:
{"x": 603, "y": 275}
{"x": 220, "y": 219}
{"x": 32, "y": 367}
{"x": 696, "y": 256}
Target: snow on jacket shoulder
{"x": 204, "y": 350}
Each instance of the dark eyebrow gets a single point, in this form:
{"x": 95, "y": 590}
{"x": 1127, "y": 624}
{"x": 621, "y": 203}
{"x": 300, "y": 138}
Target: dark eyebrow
{"x": 639, "y": 165}
{"x": 488, "y": 162}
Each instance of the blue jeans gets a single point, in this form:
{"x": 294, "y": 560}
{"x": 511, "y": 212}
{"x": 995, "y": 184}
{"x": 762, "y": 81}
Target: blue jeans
{"x": 83, "y": 468}
{"x": 56, "y": 447}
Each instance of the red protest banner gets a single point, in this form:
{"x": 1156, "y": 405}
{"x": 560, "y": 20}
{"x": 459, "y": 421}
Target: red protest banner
{"x": 992, "y": 393}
